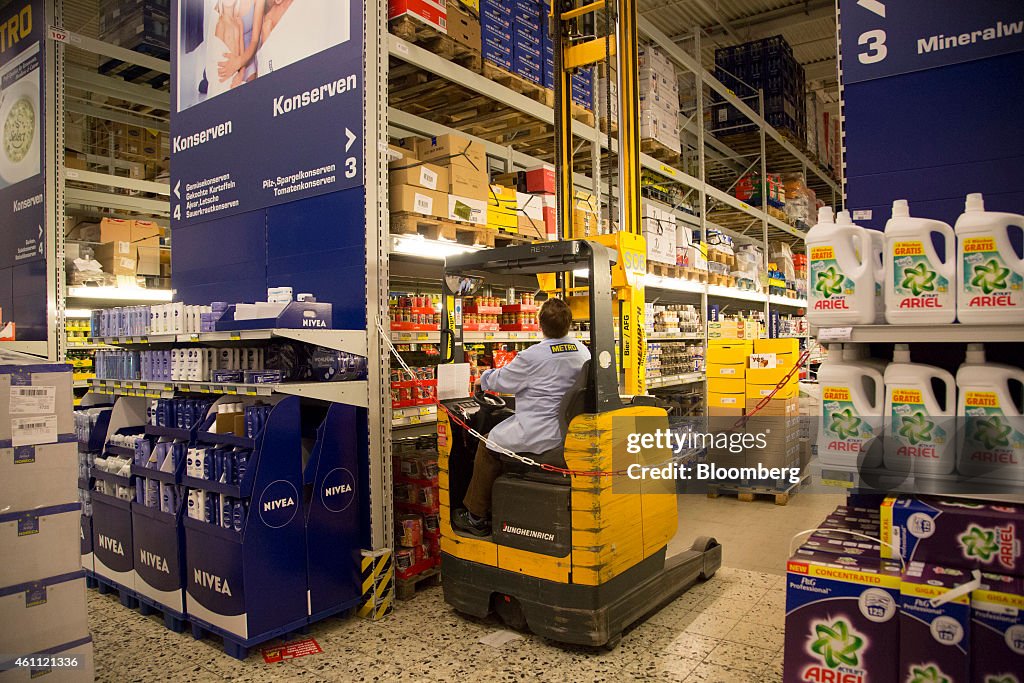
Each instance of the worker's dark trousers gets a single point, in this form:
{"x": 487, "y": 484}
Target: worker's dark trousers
{"x": 486, "y": 468}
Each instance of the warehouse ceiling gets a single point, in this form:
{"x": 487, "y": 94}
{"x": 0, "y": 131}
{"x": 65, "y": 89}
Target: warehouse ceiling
{"x": 809, "y": 27}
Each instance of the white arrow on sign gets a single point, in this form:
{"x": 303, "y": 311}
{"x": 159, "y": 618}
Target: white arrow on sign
{"x": 351, "y": 139}
{"x": 177, "y": 190}
{"x": 40, "y": 243}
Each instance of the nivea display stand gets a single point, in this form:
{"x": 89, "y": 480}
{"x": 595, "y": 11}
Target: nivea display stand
{"x": 332, "y": 516}
{"x": 113, "y": 550}
{"x": 158, "y": 537}
{"x": 249, "y": 586}
{"x": 94, "y": 443}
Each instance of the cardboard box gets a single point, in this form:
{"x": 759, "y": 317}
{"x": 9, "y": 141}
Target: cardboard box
{"x": 467, "y": 182}
{"x": 109, "y": 230}
{"x": 775, "y": 407}
{"x": 540, "y": 179}
{"x": 467, "y": 210}
{"x": 117, "y": 258}
{"x": 532, "y": 228}
{"x": 770, "y": 375}
{"x": 83, "y": 672}
{"x": 146, "y": 234}
{"x": 661, "y": 241}
{"x": 38, "y": 476}
{"x": 728, "y": 352}
{"x": 934, "y": 641}
{"x": 148, "y": 262}
{"x": 49, "y": 614}
{"x": 412, "y": 199}
{"x": 400, "y": 157}
{"x": 723, "y": 385}
{"x": 777, "y": 346}
{"x": 453, "y": 150}
{"x": 431, "y": 14}
{"x": 427, "y": 176}
{"x": 463, "y": 25}
{"x": 40, "y": 542}
{"x": 730, "y": 401}
{"x": 759, "y": 391}
{"x": 727, "y": 370}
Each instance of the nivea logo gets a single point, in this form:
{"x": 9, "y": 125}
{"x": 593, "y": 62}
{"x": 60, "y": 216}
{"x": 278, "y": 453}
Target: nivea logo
{"x": 211, "y": 582}
{"x": 338, "y": 490}
{"x": 111, "y": 545}
{"x": 278, "y": 504}
{"x": 310, "y": 319}
{"x": 153, "y": 560}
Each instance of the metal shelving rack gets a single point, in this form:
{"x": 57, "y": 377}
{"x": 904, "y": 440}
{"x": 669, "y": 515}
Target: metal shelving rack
{"x": 76, "y": 88}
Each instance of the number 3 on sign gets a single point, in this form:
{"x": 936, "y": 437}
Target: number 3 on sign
{"x": 874, "y": 39}
{"x": 351, "y": 168}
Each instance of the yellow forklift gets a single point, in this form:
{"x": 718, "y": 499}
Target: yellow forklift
{"x": 578, "y": 550}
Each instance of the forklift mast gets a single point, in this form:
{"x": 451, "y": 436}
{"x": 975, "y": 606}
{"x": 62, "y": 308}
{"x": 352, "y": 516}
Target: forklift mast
{"x": 577, "y": 45}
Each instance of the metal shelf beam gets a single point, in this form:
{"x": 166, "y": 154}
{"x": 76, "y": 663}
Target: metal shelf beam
{"x": 903, "y": 334}
{"x": 74, "y": 195}
{"x": 107, "y": 180}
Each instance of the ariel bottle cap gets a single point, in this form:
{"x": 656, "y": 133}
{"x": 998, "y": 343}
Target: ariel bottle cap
{"x": 975, "y": 354}
{"x": 975, "y": 202}
{"x": 901, "y": 208}
{"x": 901, "y": 354}
{"x": 825, "y": 215}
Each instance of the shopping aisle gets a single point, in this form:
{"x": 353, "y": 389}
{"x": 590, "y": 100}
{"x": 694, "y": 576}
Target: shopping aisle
{"x": 728, "y": 630}
{"x": 754, "y": 535}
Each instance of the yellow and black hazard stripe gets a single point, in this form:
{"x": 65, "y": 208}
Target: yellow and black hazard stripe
{"x": 378, "y": 585}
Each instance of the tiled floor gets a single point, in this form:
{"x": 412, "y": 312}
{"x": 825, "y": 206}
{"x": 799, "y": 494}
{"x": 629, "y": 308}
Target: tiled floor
{"x": 728, "y": 630}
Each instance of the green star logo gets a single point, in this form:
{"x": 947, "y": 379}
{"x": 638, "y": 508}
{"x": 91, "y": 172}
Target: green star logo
{"x": 918, "y": 279}
{"x": 926, "y": 674}
{"x": 990, "y": 277}
{"x": 992, "y": 432}
{"x": 980, "y": 543}
{"x": 1002, "y": 678}
{"x": 836, "y": 644}
{"x": 916, "y": 428}
{"x": 829, "y": 282}
{"x": 844, "y": 424}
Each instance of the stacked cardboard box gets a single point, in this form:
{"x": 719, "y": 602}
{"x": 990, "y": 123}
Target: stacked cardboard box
{"x": 496, "y": 32}
{"x": 503, "y": 209}
{"x": 464, "y": 23}
{"x": 142, "y": 25}
{"x": 767, "y": 64}
{"x": 433, "y": 14}
{"x": 465, "y": 164}
{"x": 727, "y": 372}
{"x": 659, "y": 98}
{"x": 659, "y": 229}
{"x": 528, "y": 29}
{"x": 535, "y": 200}
{"x": 42, "y": 589}
{"x": 125, "y": 249}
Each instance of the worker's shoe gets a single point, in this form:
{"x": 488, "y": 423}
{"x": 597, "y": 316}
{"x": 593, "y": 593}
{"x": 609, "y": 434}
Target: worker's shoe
{"x": 471, "y": 524}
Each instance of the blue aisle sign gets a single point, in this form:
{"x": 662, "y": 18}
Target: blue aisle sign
{"x": 22, "y": 181}
{"x": 882, "y": 38}
{"x": 268, "y": 104}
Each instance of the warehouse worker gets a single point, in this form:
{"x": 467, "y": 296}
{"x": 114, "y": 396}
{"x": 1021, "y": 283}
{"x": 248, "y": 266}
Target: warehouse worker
{"x": 539, "y": 377}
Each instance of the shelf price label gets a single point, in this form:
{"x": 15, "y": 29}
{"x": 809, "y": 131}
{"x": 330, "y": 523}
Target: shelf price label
{"x": 835, "y": 334}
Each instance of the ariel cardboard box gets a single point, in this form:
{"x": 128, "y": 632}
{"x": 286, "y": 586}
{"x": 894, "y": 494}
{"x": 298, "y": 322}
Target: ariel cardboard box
{"x": 842, "y": 618}
{"x": 935, "y": 625}
{"x": 955, "y": 533}
{"x": 997, "y": 630}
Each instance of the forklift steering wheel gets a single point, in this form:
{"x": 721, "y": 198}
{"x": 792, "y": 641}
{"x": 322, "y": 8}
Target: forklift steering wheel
{"x": 485, "y": 400}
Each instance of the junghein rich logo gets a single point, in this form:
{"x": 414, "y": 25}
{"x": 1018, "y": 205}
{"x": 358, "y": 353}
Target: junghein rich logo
{"x": 927, "y": 673}
{"x": 838, "y": 647}
{"x": 507, "y": 528}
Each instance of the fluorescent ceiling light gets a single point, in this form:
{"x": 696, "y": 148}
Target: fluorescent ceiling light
{"x": 77, "y": 313}
{"x": 120, "y": 293}
{"x": 418, "y": 245}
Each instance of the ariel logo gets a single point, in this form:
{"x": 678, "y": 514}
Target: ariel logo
{"x": 918, "y": 280}
{"x": 980, "y": 543}
{"x": 836, "y": 644}
{"x": 991, "y": 432}
{"x": 927, "y": 674}
{"x": 916, "y": 428}
{"x": 844, "y": 424}
{"x": 990, "y": 277}
{"x": 830, "y": 281}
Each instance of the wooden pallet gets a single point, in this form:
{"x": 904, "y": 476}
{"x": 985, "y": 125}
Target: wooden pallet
{"x": 663, "y": 270}
{"x": 721, "y": 280}
{"x": 523, "y": 86}
{"x": 406, "y": 223}
{"x": 405, "y": 589}
{"x": 583, "y": 115}
{"x": 660, "y": 152}
{"x": 748, "y": 494}
{"x": 694, "y": 275}
{"x": 427, "y": 37}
